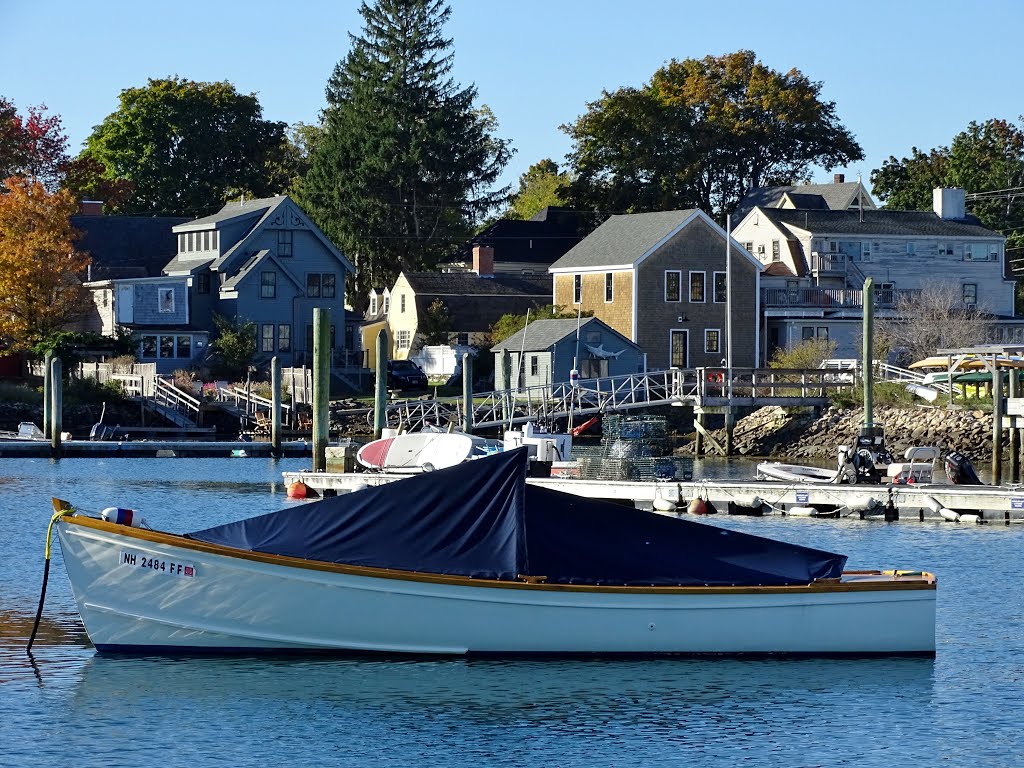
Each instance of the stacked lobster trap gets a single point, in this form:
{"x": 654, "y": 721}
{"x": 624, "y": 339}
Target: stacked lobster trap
{"x": 632, "y": 448}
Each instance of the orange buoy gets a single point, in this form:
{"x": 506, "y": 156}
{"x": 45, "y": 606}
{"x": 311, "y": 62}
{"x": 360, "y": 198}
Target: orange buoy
{"x": 697, "y": 507}
{"x": 297, "y": 490}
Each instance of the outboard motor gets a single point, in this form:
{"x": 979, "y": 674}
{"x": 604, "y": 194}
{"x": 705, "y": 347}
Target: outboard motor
{"x": 959, "y": 470}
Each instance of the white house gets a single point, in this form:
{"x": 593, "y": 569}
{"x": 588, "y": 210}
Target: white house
{"x": 817, "y": 261}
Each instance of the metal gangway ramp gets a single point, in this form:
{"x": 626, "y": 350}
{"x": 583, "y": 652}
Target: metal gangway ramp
{"x": 545, "y": 403}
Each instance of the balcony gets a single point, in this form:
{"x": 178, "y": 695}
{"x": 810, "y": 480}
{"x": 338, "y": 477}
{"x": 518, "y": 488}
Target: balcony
{"x": 831, "y": 298}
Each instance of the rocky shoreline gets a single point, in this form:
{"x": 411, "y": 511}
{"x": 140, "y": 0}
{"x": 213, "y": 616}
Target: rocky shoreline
{"x": 800, "y": 434}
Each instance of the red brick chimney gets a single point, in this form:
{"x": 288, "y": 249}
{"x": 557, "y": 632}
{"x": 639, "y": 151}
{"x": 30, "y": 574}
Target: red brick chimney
{"x": 840, "y": 178}
{"x": 483, "y": 260}
{"x": 90, "y": 208}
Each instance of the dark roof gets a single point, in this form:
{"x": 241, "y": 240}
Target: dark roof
{"x": 127, "y": 246}
{"x": 835, "y": 196}
{"x": 779, "y": 269}
{"x": 884, "y": 222}
{"x": 811, "y": 202}
{"x": 471, "y": 284}
{"x": 542, "y": 239}
{"x": 623, "y": 239}
{"x": 475, "y": 303}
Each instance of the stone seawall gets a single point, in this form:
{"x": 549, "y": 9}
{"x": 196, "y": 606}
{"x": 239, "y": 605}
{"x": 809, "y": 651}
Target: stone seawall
{"x": 791, "y": 434}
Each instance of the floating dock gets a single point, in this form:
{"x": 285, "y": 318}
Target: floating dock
{"x": 919, "y": 503}
{"x": 153, "y": 449}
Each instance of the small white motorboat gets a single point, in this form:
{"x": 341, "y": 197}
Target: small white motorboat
{"x": 472, "y": 559}
{"x": 796, "y": 473}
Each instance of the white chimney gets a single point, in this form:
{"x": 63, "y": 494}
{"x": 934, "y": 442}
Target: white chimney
{"x": 948, "y": 203}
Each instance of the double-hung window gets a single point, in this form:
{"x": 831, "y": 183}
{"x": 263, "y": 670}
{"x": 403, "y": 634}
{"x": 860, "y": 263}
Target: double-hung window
{"x": 268, "y": 285}
{"x": 697, "y": 288}
{"x": 673, "y": 285}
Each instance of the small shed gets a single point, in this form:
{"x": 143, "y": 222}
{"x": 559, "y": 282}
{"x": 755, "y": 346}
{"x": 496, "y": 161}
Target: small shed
{"x": 543, "y": 353}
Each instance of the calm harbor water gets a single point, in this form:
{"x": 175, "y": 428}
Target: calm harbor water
{"x": 72, "y": 707}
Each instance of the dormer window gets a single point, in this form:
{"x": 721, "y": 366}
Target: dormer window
{"x": 373, "y": 303}
{"x": 387, "y": 301}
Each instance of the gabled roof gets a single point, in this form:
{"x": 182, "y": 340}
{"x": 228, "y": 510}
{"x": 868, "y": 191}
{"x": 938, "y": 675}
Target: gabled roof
{"x": 255, "y": 213}
{"x": 883, "y": 223}
{"x": 837, "y": 196}
{"x": 127, "y": 246}
{"x": 812, "y": 202}
{"x": 251, "y": 264}
{"x": 543, "y": 334}
{"x": 624, "y": 239}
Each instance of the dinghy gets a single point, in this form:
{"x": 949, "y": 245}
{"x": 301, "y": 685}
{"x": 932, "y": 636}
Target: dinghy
{"x": 795, "y": 473}
{"x": 472, "y": 559}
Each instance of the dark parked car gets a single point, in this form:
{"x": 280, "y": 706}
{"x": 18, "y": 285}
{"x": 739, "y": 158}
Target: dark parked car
{"x": 405, "y": 374}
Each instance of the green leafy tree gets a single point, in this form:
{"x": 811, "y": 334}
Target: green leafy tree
{"x": 701, "y": 133}
{"x": 406, "y": 163}
{"x": 986, "y": 160}
{"x": 235, "y": 346}
{"x": 436, "y": 323}
{"x": 507, "y": 325}
{"x": 187, "y": 147}
{"x": 906, "y": 184}
{"x": 541, "y": 186}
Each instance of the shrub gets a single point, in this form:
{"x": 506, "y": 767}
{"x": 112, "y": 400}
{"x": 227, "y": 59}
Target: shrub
{"x": 810, "y": 353}
{"x": 20, "y": 393}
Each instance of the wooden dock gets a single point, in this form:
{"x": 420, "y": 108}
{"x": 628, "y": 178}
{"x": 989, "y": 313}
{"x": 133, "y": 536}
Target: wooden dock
{"x": 918, "y": 503}
{"x": 153, "y": 449}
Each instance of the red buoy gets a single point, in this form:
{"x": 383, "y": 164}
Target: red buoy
{"x": 297, "y": 490}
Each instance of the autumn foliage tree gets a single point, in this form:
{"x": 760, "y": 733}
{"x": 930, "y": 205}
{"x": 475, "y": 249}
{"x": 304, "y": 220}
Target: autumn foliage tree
{"x": 40, "y": 292}
{"x": 32, "y": 145}
{"x": 700, "y": 134}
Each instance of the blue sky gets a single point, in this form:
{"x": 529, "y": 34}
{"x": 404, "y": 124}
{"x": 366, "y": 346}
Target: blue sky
{"x": 902, "y": 73}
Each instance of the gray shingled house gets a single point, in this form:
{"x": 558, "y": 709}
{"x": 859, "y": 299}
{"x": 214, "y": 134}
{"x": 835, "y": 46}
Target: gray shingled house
{"x": 659, "y": 279}
{"x": 545, "y": 352}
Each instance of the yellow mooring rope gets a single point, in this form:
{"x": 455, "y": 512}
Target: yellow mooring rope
{"x": 61, "y": 508}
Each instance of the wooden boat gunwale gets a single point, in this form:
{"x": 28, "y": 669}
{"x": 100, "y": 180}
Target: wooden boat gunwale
{"x": 880, "y": 580}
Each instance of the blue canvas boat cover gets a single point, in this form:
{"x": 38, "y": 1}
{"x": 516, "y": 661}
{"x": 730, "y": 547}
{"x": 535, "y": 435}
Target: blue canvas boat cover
{"x": 480, "y": 519}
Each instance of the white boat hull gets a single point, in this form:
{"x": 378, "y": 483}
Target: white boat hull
{"x": 134, "y": 595}
{"x": 796, "y": 473}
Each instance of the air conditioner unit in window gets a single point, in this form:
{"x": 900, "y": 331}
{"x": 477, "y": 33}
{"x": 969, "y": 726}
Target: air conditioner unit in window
{"x": 760, "y": 249}
{"x": 970, "y": 306}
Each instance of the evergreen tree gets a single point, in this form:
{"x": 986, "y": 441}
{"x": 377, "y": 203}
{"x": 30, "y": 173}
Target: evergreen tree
{"x": 405, "y": 165}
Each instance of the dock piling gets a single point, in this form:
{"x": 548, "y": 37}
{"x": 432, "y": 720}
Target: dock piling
{"x": 321, "y": 386}
{"x": 56, "y": 406}
{"x": 47, "y": 381}
{"x": 467, "y": 392}
{"x": 275, "y": 408}
{"x": 380, "y": 391}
